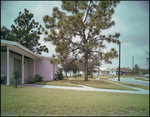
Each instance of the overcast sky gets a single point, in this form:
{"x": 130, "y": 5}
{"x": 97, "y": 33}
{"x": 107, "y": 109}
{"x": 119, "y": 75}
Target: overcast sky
{"x": 131, "y": 21}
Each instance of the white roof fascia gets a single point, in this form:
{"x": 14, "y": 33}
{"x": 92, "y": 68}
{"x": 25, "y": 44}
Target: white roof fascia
{"x": 21, "y": 46}
{"x": 44, "y": 56}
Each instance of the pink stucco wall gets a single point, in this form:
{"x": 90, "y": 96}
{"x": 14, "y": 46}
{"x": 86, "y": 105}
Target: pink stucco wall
{"x": 44, "y": 68}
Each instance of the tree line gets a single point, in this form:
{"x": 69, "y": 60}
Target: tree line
{"x": 136, "y": 70}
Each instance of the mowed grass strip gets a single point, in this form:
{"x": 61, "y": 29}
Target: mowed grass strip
{"x": 132, "y": 85}
{"x": 100, "y": 84}
{"x": 91, "y": 83}
{"x": 143, "y": 79}
{"x": 129, "y": 76}
{"x": 56, "y": 83}
{"x": 25, "y": 101}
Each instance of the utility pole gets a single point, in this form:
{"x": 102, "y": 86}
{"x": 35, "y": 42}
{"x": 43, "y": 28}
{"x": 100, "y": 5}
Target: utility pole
{"x": 119, "y": 60}
{"x": 132, "y": 64}
{"x": 119, "y": 63}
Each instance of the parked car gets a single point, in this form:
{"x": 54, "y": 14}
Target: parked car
{"x": 147, "y": 75}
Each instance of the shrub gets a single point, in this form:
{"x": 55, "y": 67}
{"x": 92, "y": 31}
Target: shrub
{"x": 3, "y": 77}
{"x": 31, "y": 79}
{"x": 15, "y": 79}
{"x": 38, "y": 78}
{"x": 59, "y": 75}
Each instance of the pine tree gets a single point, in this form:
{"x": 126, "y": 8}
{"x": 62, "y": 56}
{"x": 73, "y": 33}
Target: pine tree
{"x": 28, "y": 32}
{"x": 86, "y": 19}
{"x": 93, "y": 64}
{"x": 7, "y": 35}
{"x": 136, "y": 69}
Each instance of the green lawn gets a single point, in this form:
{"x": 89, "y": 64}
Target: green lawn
{"x": 132, "y": 85}
{"x": 100, "y": 84}
{"x": 24, "y": 101}
{"x": 64, "y": 82}
{"x": 143, "y": 79}
{"x": 128, "y": 76}
{"x": 91, "y": 83}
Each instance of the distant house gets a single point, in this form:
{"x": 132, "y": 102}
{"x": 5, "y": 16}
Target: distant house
{"x": 70, "y": 73}
{"x": 113, "y": 71}
{"x": 122, "y": 72}
{"x": 104, "y": 71}
{"x": 16, "y": 56}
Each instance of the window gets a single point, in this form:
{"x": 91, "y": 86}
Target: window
{"x": 17, "y": 65}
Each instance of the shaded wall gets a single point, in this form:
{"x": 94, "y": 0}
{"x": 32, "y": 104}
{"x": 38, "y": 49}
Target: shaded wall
{"x": 44, "y": 68}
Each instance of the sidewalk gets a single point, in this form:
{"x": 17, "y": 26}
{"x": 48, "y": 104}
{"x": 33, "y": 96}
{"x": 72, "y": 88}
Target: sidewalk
{"x": 86, "y": 88}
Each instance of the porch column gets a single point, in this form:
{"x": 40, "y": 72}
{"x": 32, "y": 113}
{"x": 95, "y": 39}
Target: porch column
{"x": 22, "y": 69}
{"x": 7, "y": 65}
{"x": 34, "y": 68}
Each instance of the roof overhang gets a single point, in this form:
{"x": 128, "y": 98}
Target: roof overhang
{"x": 18, "y": 48}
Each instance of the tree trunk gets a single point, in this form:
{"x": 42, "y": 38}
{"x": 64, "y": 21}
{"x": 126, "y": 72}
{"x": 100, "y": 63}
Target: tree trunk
{"x": 91, "y": 74}
{"x": 86, "y": 66}
{"x": 66, "y": 73}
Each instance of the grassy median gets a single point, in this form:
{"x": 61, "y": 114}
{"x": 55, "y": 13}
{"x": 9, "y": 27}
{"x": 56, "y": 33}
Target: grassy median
{"x": 143, "y": 79}
{"x": 25, "y": 101}
{"x": 132, "y": 85}
{"x": 91, "y": 83}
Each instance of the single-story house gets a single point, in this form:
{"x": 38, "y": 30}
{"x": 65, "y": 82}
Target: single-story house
{"x": 104, "y": 71}
{"x": 122, "y": 72}
{"x": 71, "y": 73}
{"x": 113, "y": 71}
{"x": 16, "y": 56}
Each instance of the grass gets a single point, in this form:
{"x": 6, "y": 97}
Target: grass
{"x": 100, "y": 84}
{"x": 143, "y": 79}
{"x": 133, "y": 85}
{"x": 91, "y": 83}
{"x": 128, "y": 76}
{"x": 34, "y": 101}
{"x": 64, "y": 82}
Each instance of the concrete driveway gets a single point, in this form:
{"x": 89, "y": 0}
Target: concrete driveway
{"x": 132, "y": 81}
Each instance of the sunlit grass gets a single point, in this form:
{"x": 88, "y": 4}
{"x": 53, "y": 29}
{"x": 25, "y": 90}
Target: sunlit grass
{"x": 91, "y": 83}
{"x": 64, "y": 82}
{"x": 132, "y": 85}
{"x": 143, "y": 79}
{"x": 34, "y": 101}
{"x": 100, "y": 84}
{"x": 130, "y": 76}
